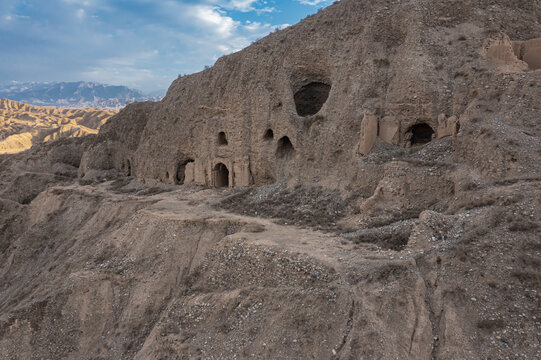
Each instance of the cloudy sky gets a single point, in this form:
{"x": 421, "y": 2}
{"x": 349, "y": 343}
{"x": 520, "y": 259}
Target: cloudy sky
{"x": 143, "y": 44}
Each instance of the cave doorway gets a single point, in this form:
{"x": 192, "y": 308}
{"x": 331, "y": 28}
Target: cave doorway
{"x": 421, "y": 134}
{"x": 285, "y": 149}
{"x": 269, "y": 135}
{"x": 311, "y": 98}
{"x": 221, "y": 175}
{"x": 181, "y": 171}
{"x": 222, "y": 139}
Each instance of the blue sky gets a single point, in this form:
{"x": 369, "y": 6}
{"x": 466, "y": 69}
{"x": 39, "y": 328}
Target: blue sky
{"x": 143, "y": 44}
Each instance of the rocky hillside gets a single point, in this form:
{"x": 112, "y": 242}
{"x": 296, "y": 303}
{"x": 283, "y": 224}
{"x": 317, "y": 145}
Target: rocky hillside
{"x": 23, "y": 125}
{"x": 362, "y": 185}
{"x": 73, "y": 94}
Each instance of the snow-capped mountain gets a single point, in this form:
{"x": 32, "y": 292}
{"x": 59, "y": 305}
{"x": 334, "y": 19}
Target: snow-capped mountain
{"x": 73, "y": 94}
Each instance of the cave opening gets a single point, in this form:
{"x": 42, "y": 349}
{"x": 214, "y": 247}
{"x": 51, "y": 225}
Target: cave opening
{"x": 311, "y": 98}
{"x": 221, "y": 175}
{"x": 285, "y": 149}
{"x": 421, "y": 134}
{"x": 222, "y": 139}
{"x": 269, "y": 135}
{"x": 181, "y": 171}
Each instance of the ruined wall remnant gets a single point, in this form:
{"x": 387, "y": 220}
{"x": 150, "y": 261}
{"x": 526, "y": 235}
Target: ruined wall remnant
{"x": 189, "y": 173}
{"x": 388, "y": 130}
{"x": 447, "y": 126}
{"x": 218, "y": 172}
{"x": 529, "y": 51}
{"x": 369, "y": 134}
{"x": 241, "y": 173}
{"x": 513, "y": 56}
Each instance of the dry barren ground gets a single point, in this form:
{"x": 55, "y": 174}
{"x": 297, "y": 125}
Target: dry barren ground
{"x": 118, "y": 270}
{"x": 23, "y": 125}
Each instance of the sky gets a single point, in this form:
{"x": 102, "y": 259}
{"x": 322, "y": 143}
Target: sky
{"x": 143, "y": 44}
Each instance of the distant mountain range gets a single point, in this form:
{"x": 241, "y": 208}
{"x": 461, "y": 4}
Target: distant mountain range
{"x": 74, "y": 94}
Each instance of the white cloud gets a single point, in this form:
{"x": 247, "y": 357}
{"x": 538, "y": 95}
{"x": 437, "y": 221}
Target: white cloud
{"x": 242, "y": 5}
{"x": 215, "y": 21}
{"x": 80, "y": 14}
{"x": 313, "y": 2}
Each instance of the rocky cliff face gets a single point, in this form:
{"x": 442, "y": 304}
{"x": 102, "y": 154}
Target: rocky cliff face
{"x": 407, "y": 63}
{"x": 363, "y": 185}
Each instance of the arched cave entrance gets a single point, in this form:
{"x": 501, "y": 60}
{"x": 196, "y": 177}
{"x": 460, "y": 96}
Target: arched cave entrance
{"x": 221, "y": 175}
{"x": 421, "y": 134}
{"x": 222, "y": 139}
{"x": 285, "y": 149}
{"x": 269, "y": 135}
{"x": 311, "y": 97}
{"x": 181, "y": 171}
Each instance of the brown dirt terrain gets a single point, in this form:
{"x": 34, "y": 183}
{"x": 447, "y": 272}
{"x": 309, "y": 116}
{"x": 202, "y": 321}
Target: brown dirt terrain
{"x": 23, "y": 125}
{"x": 402, "y": 220}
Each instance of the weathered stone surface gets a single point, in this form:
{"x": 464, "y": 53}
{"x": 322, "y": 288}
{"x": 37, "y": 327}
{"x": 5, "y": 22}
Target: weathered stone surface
{"x": 447, "y": 126}
{"x": 499, "y": 49}
{"x": 388, "y": 130}
{"x": 369, "y": 134}
{"x": 189, "y": 174}
{"x": 529, "y": 51}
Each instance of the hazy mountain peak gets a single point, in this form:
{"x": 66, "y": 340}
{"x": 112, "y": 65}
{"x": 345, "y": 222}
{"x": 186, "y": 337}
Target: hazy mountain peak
{"x": 78, "y": 94}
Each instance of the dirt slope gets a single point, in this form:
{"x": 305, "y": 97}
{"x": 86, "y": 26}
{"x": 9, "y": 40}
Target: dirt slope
{"x": 106, "y": 271}
{"x": 23, "y": 125}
